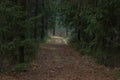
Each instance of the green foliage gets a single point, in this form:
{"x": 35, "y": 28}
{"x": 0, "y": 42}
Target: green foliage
{"x": 96, "y": 28}
{"x": 16, "y": 31}
{"x": 20, "y": 68}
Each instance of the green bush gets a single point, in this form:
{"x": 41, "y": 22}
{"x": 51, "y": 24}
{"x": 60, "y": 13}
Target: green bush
{"x": 96, "y": 29}
{"x": 16, "y": 32}
{"x": 20, "y": 68}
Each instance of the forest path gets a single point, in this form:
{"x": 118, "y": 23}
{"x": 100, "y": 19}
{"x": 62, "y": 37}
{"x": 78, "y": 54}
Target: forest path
{"x": 57, "y": 61}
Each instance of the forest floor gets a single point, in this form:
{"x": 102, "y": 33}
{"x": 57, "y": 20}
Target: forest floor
{"x": 58, "y": 61}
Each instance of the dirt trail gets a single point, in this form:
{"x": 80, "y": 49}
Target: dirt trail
{"x": 57, "y": 61}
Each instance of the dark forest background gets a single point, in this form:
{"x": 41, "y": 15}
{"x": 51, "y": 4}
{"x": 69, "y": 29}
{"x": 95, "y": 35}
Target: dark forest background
{"x": 93, "y": 28}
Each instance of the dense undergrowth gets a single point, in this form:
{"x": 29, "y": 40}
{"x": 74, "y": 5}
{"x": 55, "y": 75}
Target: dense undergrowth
{"x": 95, "y": 29}
{"x": 18, "y": 42}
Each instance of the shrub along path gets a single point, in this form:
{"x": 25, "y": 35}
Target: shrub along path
{"x": 57, "y": 61}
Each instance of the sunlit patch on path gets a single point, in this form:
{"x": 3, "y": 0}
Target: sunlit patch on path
{"x": 58, "y": 40}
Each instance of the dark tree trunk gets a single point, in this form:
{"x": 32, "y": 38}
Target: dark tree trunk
{"x": 46, "y": 8}
{"x": 67, "y": 32}
{"x": 1, "y": 63}
{"x": 43, "y": 20}
{"x": 42, "y": 29}
{"x": 21, "y": 48}
{"x": 21, "y": 55}
{"x": 36, "y": 13}
{"x": 79, "y": 34}
{"x": 53, "y": 31}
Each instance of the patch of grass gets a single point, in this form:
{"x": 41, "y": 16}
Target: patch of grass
{"x": 46, "y": 39}
{"x": 66, "y": 40}
{"x": 116, "y": 74}
{"x": 20, "y": 68}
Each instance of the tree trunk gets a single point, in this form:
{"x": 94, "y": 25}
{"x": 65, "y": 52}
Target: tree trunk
{"x": 21, "y": 48}
{"x": 53, "y": 31}
{"x": 1, "y": 62}
{"x": 67, "y": 32}
{"x": 79, "y": 34}
{"x": 36, "y": 13}
{"x": 43, "y": 20}
{"x": 21, "y": 54}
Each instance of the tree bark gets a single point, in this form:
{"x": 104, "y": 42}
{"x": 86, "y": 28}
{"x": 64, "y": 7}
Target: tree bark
{"x": 36, "y": 13}
{"x": 21, "y": 48}
{"x": 54, "y": 31}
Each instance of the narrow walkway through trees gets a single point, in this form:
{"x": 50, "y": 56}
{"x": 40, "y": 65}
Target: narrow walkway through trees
{"x": 57, "y": 61}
